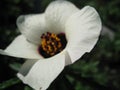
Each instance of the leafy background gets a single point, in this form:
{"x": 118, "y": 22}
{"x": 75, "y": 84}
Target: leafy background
{"x": 98, "y": 70}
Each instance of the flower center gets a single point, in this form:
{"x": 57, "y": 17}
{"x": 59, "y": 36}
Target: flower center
{"x": 52, "y": 44}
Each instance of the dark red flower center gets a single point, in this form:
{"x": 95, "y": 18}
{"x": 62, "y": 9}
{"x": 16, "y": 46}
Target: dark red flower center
{"x": 52, "y": 44}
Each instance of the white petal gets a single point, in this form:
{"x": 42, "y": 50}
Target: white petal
{"x": 20, "y": 47}
{"x": 27, "y": 66}
{"x": 82, "y": 31}
{"x": 57, "y": 14}
{"x": 32, "y": 26}
{"x": 67, "y": 57}
{"x": 44, "y": 72}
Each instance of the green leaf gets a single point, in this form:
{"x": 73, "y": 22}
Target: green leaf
{"x": 15, "y": 66}
{"x": 27, "y": 88}
{"x": 9, "y": 83}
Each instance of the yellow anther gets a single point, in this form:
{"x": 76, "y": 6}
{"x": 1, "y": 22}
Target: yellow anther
{"x": 53, "y": 43}
{"x": 48, "y": 42}
{"x": 49, "y": 48}
{"x": 59, "y": 45}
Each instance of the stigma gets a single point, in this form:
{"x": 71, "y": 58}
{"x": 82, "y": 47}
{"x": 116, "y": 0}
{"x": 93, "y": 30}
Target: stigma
{"x": 52, "y": 44}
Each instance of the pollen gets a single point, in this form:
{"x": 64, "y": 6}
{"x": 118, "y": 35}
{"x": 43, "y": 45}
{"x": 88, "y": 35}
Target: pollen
{"x": 52, "y": 44}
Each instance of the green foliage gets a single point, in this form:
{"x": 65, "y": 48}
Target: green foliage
{"x": 15, "y": 66}
{"x": 99, "y": 70}
{"x": 79, "y": 86}
{"x": 27, "y": 88}
{"x": 9, "y": 83}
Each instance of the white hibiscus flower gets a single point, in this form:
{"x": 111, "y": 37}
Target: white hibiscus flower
{"x": 52, "y": 40}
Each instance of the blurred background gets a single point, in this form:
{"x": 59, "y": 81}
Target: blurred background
{"x": 98, "y": 70}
